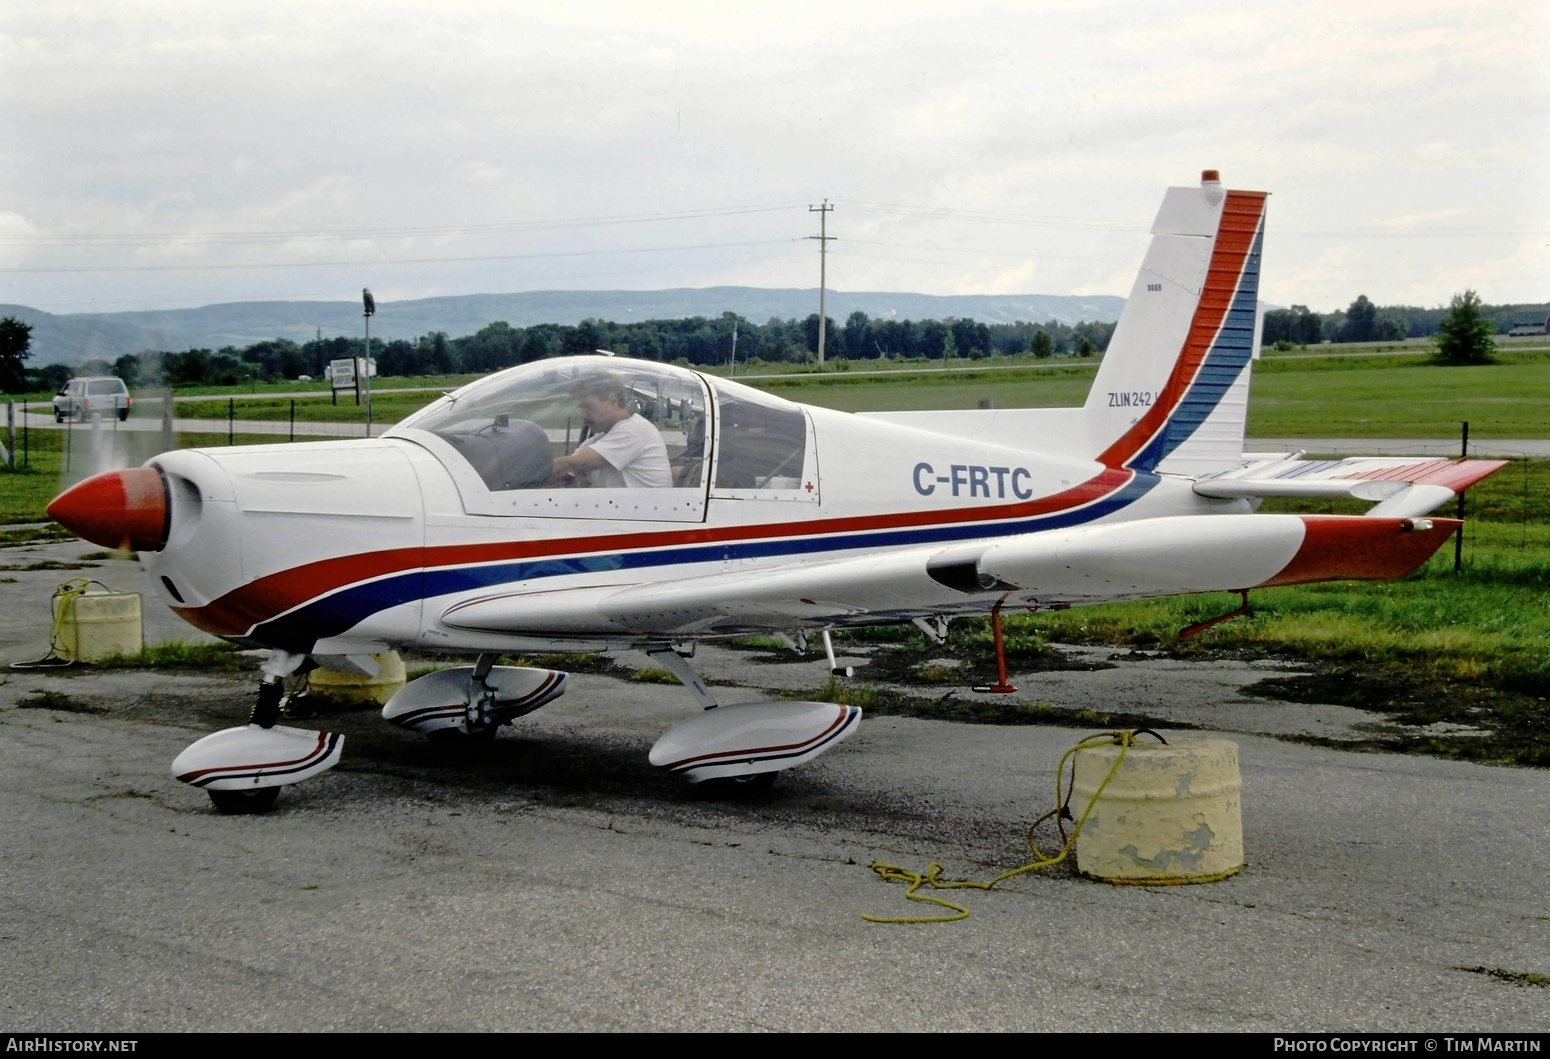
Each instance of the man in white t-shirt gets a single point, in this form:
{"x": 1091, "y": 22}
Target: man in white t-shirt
{"x": 622, "y": 449}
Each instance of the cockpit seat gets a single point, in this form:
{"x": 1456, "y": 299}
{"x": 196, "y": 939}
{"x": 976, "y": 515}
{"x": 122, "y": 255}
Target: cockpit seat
{"x": 508, "y": 454}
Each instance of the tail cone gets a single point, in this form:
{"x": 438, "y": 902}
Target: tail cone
{"x": 1362, "y": 548}
{"x": 117, "y": 509}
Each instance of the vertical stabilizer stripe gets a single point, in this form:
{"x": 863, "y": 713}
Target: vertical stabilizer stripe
{"x": 1218, "y": 346}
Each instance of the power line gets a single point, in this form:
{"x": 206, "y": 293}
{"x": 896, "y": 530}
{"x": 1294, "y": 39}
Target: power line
{"x": 399, "y": 261}
{"x": 1018, "y": 255}
{"x": 991, "y": 217}
{"x": 1373, "y": 231}
{"x": 401, "y": 232}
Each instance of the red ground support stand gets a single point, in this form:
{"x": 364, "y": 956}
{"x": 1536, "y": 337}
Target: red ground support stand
{"x": 1000, "y": 687}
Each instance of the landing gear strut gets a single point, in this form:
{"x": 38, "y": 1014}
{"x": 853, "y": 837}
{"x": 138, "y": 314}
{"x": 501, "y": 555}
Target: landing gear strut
{"x": 271, "y": 701}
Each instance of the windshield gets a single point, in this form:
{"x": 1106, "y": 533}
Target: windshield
{"x": 513, "y": 426}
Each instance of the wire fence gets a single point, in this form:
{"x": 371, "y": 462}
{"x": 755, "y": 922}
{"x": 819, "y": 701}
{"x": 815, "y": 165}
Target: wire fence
{"x": 1517, "y": 496}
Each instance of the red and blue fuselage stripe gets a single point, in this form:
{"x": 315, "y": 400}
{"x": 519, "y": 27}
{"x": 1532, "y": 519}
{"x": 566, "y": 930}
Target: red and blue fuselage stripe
{"x": 327, "y": 598}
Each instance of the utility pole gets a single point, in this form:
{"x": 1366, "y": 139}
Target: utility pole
{"x": 823, "y": 238}
{"x": 733, "y": 371}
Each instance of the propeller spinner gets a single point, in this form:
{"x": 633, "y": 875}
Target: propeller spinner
{"x": 117, "y": 509}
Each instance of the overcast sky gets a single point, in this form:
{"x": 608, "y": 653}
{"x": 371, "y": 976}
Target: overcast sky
{"x": 171, "y": 154}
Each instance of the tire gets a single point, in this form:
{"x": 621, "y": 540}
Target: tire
{"x": 244, "y": 803}
{"x": 123, "y": 415}
{"x": 739, "y": 788}
{"x": 458, "y": 737}
{"x": 59, "y": 417}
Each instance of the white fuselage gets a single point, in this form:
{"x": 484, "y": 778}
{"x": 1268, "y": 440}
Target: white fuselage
{"x": 347, "y": 546}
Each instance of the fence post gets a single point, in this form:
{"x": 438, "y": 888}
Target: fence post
{"x": 293, "y": 419}
{"x": 10, "y": 434}
{"x": 1458, "y": 538}
{"x": 166, "y": 421}
{"x": 231, "y": 420}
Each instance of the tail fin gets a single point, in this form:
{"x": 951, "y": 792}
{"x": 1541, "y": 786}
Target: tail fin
{"x": 1172, "y": 392}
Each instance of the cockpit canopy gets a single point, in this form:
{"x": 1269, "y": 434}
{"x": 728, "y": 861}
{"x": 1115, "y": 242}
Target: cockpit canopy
{"x": 500, "y": 436}
{"x": 511, "y": 426}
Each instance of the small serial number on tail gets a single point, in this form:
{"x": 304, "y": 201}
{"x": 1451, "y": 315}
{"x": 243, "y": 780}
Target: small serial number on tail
{"x": 1131, "y": 399}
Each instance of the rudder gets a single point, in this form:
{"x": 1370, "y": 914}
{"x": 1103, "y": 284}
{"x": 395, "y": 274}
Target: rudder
{"x": 1172, "y": 392}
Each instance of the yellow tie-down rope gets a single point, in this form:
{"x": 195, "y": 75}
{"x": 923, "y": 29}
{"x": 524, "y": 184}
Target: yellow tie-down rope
{"x": 932, "y": 877}
{"x": 61, "y": 601}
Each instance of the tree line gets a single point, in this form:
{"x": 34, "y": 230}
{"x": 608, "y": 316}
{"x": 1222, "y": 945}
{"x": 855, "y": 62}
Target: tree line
{"x": 697, "y": 341}
{"x": 707, "y": 342}
{"x": 1363, "y": 321}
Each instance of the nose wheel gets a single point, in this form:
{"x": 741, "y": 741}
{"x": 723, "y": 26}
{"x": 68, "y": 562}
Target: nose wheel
{"x": 739, "y": 788}
{"x": 242, "y": 769}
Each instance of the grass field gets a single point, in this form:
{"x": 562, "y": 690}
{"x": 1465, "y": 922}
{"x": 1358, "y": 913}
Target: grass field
{"x": 1411, "y": 398}
{"x": 1291, "y": 396}
{"x": 388, "y": 405}
{"x": 1358, "y": 391}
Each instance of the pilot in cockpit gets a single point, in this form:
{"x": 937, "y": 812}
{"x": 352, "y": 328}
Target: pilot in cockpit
{"x": 622, "y": 448}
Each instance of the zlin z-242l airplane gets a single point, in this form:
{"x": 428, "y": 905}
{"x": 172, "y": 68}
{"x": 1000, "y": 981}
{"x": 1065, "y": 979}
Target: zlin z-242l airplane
{"x": 487, "y": 524}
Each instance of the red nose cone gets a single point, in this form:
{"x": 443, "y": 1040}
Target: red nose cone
{"x": 116, "y": 509}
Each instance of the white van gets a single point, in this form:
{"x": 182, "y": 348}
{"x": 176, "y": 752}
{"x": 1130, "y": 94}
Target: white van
{"x": 89, "y": 397}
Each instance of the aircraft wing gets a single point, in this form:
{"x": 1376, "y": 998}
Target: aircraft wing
{"x": 1402, "y": 487}
{"x": 1087, "y": 564}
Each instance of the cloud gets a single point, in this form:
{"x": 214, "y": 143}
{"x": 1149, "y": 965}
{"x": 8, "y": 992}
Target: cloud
{"x": 184, "y": 119}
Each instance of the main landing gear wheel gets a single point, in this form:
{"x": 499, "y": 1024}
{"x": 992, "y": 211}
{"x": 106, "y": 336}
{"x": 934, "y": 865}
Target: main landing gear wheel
{"x": 458, "y": 737}
{"x": 244, "y": 803}
{"x": 739, "y": 788}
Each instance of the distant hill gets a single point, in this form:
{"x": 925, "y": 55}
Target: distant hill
{"x": 76, "y": 337}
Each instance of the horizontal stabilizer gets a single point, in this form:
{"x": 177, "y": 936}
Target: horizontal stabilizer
{"x": 1401, "y": 487}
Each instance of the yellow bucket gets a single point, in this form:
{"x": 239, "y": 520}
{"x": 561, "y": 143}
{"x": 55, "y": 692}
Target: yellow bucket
{"x": 356, "y": 689}
{"x": 1171, "y": 814}
{"x": 96, "y": 623}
